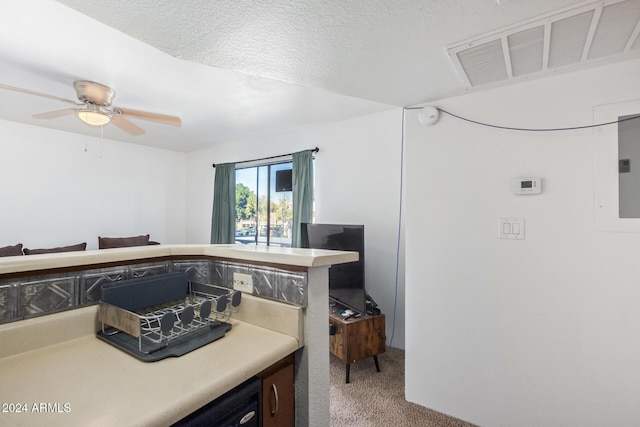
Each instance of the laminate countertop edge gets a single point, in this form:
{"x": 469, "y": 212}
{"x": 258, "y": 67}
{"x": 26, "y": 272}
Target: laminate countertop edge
{"x": 296, "y": 257}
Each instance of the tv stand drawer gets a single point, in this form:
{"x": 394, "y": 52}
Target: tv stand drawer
{"x": 358, "y": 338}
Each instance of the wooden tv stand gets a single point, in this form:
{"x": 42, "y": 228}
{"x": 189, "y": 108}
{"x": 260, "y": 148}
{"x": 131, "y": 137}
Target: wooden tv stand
{"x": 356, "y": 338}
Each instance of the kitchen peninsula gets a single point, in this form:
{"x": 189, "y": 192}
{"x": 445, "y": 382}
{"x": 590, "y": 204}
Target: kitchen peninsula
{"x": 56, "y": 372}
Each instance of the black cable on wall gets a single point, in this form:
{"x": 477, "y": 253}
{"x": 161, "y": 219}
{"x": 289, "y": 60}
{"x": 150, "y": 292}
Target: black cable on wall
{"x": 523, "y": 129}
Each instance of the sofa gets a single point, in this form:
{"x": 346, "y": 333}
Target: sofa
{"x": 103, "y": 243}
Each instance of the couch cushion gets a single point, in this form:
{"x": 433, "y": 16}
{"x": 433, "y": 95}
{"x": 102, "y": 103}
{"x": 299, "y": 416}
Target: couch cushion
{"x": 122, "y": 242}
{"x": 11, "y": 250}
{"x": 70, "y": 248}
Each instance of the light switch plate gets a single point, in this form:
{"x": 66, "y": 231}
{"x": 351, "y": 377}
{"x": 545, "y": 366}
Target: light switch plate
{"x": 511, "y": 228}
{"x": 243, "y": 282}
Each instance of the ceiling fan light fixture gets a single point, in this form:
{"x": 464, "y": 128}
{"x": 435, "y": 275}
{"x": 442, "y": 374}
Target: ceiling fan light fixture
{"x": 93, "y": 117}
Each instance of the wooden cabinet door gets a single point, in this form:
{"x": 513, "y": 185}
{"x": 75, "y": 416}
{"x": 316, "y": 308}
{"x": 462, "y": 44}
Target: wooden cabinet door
{"x": 365, "y": 338}
{"x": 357, "y": 339}
{"x": 278, "y": 394}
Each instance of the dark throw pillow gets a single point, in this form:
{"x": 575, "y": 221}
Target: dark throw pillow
{"x": 122, "y": 242}
{"x": 11, "y": 250}
{"x": 70, "y": 248}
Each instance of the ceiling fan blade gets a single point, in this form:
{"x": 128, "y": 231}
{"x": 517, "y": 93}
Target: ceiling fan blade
{"x": 33, "y": 92}
{"x": 54, "y": 114}
{"x": 154, "y": 117}
{"x": 126, "y": 125}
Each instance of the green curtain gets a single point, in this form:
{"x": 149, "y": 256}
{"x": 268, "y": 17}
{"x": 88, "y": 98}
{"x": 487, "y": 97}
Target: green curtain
{"x": 223, "y": 220}
{"x": 302, "y": 177}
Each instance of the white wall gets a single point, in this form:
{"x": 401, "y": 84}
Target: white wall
{"x": 536, "y": 332}
{"x": 60, "y": 188}
{"x": 357, "y": 181}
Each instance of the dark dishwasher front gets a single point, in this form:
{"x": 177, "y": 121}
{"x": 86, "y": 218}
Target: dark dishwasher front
{"x": 240, "y": 407}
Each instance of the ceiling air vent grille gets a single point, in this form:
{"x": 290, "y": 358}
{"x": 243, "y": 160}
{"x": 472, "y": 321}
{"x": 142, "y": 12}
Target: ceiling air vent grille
{"x": 525, "y": 51}
{"x": 577, "y": 37}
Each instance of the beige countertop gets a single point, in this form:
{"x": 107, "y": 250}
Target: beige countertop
{"x": 257, "y": 253}
{"x": 83, "y": 381}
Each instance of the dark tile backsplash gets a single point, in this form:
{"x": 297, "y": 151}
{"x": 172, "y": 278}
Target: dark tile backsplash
{"x": 25, "y": 297}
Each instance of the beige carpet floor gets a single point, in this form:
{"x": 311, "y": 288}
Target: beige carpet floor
{"x": 376, "y": 399}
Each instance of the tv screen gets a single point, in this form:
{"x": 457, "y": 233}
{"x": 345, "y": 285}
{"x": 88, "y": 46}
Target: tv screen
{"x": 284, "y": 180}
{"x": 346, "y": 281}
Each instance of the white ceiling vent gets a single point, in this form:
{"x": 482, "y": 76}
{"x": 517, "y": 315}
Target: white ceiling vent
{"x": 583, "y": 35}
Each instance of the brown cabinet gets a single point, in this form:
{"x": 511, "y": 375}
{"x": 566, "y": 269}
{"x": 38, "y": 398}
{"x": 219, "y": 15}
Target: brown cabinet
{"x": 357, "y": 338}
{"x": 278, "y": 394}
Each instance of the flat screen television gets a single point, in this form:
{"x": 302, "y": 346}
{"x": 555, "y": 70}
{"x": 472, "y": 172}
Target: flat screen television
{"x": 346, "y": 281}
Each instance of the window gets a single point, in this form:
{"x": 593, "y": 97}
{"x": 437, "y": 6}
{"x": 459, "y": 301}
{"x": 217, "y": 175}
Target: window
{"x": 264, "y": 211}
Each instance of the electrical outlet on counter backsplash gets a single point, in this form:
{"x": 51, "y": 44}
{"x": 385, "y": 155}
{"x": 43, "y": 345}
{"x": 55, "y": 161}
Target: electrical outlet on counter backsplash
{"x": 243, "y": 282}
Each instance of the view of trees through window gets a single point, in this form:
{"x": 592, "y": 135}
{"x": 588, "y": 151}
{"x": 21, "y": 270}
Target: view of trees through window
{"x": 263, "y": 213}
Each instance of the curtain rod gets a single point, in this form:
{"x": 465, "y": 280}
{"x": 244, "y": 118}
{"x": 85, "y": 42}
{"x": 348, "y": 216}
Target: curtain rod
{"x": 315, "y": 150}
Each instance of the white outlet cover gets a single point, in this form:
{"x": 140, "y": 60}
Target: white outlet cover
{"x": 243, "y": 282}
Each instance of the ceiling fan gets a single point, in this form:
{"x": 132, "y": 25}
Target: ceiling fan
{"x": 94, "y": 108}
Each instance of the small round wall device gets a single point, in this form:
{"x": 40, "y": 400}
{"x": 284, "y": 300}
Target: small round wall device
{"x": 429, "y": 115}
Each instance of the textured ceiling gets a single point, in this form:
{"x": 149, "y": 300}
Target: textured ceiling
{"x": 238, "y": 69}
{"x": 386, "y": 51}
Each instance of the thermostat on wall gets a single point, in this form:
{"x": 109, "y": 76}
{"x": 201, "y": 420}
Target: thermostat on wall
{"x": 527, "y": 186}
